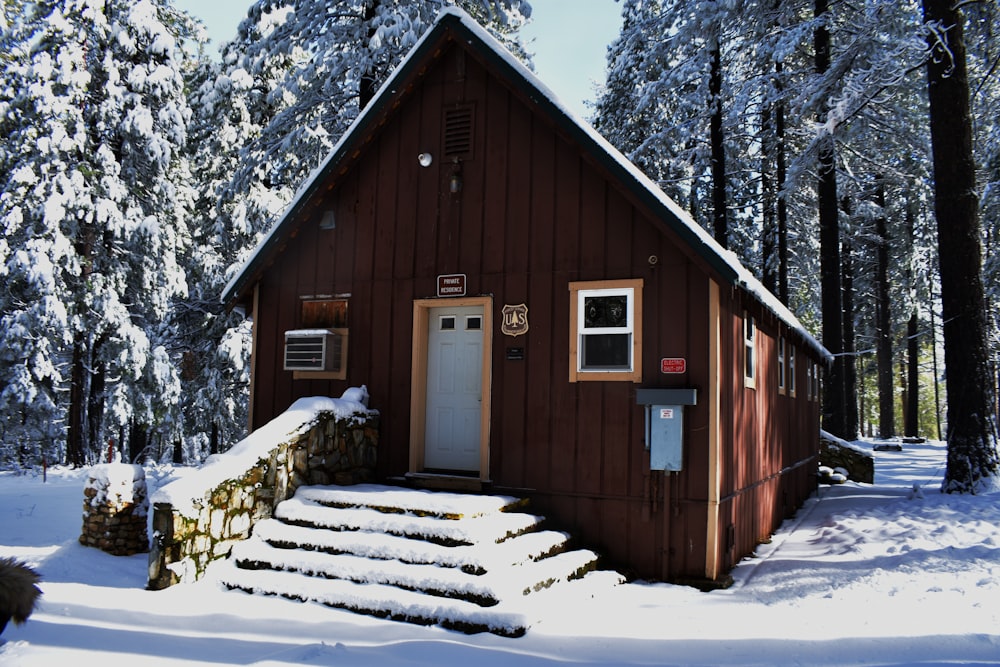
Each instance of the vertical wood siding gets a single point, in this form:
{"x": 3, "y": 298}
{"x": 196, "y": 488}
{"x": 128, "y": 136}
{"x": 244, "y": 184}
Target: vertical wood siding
{"x": 535, "y": 214}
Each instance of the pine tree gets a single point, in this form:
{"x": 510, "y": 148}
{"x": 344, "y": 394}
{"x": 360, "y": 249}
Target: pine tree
{"x": 972, "y": 429}
{"x": 94, "y": 206}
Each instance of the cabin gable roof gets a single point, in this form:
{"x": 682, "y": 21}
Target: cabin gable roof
{"x": 454, "y": 26}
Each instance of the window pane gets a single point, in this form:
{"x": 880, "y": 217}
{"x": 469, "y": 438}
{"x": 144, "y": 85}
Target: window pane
{"x": 448, "y": 323}
{"x": 473, "y": 323}
{"x": 605, "y": 311}
{"x": 607, "y": 351}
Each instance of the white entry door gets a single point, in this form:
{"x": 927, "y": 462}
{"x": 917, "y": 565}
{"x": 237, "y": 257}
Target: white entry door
{"x": 454, "y": 389}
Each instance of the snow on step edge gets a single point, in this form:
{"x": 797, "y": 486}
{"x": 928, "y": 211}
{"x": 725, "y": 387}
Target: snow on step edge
{"x": 416, "y": 501}
{"x": 476, "y": 530}
{"x": 380, "y": 600}
{"x": 487, "y": 589}
{"x": 516, "y": 550}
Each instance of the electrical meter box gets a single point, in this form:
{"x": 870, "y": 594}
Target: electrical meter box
{"x": 665, "y": 425}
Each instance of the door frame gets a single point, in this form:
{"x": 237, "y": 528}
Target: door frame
{"x": 418, "y": 378}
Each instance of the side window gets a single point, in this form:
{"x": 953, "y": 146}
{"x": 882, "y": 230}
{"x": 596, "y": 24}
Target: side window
{"x": 781, "y": 364}
{"x": 791, "y": 369}
{"x": 750, "y": 350}
{"x": 817, "y": 381}
{"x": 605, "y": 331}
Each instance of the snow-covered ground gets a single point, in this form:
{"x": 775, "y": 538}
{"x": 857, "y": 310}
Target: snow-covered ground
{"x": 890, "y": 574}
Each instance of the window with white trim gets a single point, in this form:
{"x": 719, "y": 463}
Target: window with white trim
{"x": 750, "y": 351}
{"x": 781, "y": 364}
{"x": 790, "y": 354}
{"x": 606, "y": 331}
{"x": 817, "y": 381}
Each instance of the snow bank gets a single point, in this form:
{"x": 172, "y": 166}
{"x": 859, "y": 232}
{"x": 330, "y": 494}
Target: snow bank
{"x": 116, "y": 484}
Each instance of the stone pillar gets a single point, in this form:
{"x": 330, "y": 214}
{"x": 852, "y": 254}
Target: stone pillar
{"x": 115, "y": 509}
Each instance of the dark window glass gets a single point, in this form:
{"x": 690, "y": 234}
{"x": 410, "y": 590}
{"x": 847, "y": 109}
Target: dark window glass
{"x": 605, "y": 311}
{"x": 606, "y": 351}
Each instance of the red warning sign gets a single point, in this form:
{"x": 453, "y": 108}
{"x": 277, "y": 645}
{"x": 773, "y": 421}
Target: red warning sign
{"x": 673, "y": 365}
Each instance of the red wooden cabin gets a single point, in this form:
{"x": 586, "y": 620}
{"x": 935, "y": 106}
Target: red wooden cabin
{"x": 532, "y": 315}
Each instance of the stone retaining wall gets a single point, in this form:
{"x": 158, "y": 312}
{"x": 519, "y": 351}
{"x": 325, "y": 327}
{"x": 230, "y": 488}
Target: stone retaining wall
{"x": 115, "y": 509}
{"x": 329, "y": 448}
{"x": 836, "y": 453}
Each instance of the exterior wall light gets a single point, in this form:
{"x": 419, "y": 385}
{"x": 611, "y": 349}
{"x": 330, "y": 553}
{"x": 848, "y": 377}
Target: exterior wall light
{"x": 455, "y": 181}
{"x": 425, "y": 159}
{"x": 328, "y": 221}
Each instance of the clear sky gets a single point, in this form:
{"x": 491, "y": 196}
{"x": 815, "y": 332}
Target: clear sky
{"x": 568, "y": 38}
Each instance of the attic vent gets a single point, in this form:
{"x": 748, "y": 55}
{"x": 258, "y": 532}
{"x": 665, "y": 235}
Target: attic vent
{"x": 458, "y": 132}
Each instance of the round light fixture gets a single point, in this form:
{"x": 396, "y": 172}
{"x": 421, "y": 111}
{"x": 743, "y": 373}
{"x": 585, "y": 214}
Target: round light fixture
{"x": 425, "y": 159}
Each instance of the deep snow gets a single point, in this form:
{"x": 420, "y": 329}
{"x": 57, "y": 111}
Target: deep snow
{"x": 890, "y": 574}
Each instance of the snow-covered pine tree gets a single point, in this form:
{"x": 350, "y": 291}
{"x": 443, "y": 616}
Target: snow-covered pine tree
{"x": 94, "y": 203}
{"x": 972, "y": 427}
{"x": 983, "y": 51}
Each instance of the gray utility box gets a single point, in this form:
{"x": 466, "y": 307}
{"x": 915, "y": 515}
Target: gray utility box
{"x": 665, "y": 425}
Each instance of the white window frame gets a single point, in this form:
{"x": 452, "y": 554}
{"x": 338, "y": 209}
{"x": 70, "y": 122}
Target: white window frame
{"x": 579, "y": 291}
{"x": 749, "y": 350}
{"x": 790, "y": 355}
{"x": 781, "y": 363}
{"x": 817, "y": 381}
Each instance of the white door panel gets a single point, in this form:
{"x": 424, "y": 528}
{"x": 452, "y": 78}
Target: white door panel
{"x": 454, "y": 388}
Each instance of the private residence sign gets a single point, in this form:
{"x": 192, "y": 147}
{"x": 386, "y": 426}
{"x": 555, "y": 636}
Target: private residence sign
{"x": 452, "y": 284}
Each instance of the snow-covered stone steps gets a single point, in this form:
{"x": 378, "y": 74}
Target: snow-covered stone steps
{"x": 485, "y": 590}
{"x": 381, "y": 600}
{"x": 462, "y": 561}
{"x": 412, "y": 501}
{"x": 477, "y": 529}
{"x": 470, "y": 558}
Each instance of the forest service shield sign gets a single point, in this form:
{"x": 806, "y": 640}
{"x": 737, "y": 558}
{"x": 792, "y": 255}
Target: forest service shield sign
{"x": 515, "y": 320}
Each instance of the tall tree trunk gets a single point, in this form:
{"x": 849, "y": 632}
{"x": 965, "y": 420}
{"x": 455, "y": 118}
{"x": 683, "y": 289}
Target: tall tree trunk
{"x": 76, "y": 441}
{"x": 368, "y": 83}
{"x": 972, "y": 434}
{"x": 911, "y": 427}
{"x": 769, "y": 202}
{"x": 911, "y": 413}
{"x": 883, "y": 324}
{"x": 720, "y": 221}
{"x": 781, "y": 173}
{"x": 95, "y": 394}
{"x": 834, "y": 398}
{"x": 851, "y": 415}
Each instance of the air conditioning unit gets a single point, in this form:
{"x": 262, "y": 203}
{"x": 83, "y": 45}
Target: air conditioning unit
{"x": 315, "y": 350}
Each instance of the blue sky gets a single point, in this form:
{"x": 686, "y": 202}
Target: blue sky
{"x": 568, "y": 38}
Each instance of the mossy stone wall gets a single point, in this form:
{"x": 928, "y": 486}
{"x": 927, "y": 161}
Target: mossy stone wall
{"x": 332, "y": 451}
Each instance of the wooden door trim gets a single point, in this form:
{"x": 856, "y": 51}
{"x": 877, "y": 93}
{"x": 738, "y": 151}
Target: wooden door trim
{"x": 418, "y": 381}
